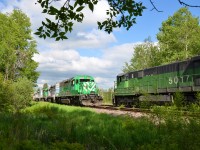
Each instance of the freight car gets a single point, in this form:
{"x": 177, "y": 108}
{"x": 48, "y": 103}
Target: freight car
{"x": 78, "y": 90}
{"x": 158, "y": 84}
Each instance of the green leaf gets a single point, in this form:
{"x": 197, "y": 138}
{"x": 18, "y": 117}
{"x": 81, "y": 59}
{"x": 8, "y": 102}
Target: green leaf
{"x": 44, "y": 36}
{"x": 71, "y": 7}
{"x": 99, "y": 23}
{"x": 49, "y": 21}
{"x": 37, "y": 33}
{"x": 40, "y": 28}
{"x": 53, "y": 10}
{"x": 54, "y": 35}
{"x": 91, "y": 6}
{"x": 47, "y": 34}
{"x": 79, "y": 9}
{"x": 43, "y": 23}
{"x": 64, "y": 37}
{"x": 44, "y": 11}
{"x": 66, "y": 28}
{"x": 75, "y": 4}
{"x": 42, "y": 4}
{"x": 58, "y": 38}
{"x": 62, "y": 33}
{"x": 70, "y": 24}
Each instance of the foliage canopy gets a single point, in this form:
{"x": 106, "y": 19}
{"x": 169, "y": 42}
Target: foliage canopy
{"x": 121, "y": 13}
{"x": 17, "y": 67}
{"x": 179, "y": 36}
{"x": 178, "y": 39}
{"x": 17, "y": 47}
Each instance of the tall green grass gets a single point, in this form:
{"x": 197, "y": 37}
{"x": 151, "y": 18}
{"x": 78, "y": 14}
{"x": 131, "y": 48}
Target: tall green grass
{"x": 52, "y": 126}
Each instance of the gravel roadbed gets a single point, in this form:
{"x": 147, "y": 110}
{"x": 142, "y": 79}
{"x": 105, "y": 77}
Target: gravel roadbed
{"x": 120, "y": 112}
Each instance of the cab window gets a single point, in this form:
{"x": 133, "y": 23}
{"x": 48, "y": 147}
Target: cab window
{"x": 72, "y": 82}
{"x": 84, "y": 80}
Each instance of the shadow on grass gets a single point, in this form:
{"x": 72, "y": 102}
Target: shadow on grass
{"x": 52, "y": 126}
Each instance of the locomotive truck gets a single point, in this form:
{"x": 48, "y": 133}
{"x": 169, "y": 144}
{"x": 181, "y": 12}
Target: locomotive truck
{"x": 78, "y": 90}
{"x": 159, "y": 83}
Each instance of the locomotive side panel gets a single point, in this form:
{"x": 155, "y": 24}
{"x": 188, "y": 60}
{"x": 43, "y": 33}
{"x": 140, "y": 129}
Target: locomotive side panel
{"x": 163, "y": 80}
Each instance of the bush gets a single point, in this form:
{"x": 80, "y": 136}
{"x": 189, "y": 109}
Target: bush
{"x": 179, "y": 99}
{"x": 145, "y": 101}
{"x": 23, "y": 90}
{"x": 197, "y": 96}
{"x": 15, "y": 95}
{"x": 6, "y": 94}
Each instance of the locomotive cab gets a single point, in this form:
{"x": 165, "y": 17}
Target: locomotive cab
{"x": 83, "y": 86}
{"x": 80, "y": 89}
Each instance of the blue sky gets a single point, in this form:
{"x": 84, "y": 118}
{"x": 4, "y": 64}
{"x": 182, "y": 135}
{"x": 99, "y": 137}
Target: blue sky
{"x": 89, "y": 50}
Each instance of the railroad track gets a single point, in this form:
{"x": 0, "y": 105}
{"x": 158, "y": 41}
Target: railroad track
{"x": 110, "y": 107}
{"x": 146, "y": 111}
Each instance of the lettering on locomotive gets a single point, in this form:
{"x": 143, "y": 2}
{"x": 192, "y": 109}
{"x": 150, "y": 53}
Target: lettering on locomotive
{"x": 180, "y": 79}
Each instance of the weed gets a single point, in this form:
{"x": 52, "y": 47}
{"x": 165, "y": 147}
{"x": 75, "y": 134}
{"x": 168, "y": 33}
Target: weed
{"x": 52, "y": 126}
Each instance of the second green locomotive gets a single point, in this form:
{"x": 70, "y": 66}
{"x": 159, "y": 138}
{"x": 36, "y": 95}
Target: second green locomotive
{"x": 159, "y": 83}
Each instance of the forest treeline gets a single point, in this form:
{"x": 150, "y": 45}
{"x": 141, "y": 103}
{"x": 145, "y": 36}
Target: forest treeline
{"x": 17, "y": 67}
{"x": 178, "y": 39}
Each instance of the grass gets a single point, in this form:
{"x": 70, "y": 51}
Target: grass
{"x": 52, "y": 126}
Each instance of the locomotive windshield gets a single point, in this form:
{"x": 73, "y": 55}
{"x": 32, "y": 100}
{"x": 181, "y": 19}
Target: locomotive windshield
{"x": 86, "y": 80}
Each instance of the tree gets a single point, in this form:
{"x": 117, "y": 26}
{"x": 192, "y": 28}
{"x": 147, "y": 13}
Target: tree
{"x": 17, "y": 68}
{"x": 122, "y": 13}
{"x": 178, "y": 40}
{"x": 179, "y": 36}
{"x": 145, "y": 55}
{"x": 17, "y": 47}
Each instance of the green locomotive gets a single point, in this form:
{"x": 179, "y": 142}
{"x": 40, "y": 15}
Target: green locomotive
{"x": 159, "y": 83}
{"x": 78, "y": 90}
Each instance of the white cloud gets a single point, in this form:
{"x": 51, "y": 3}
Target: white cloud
{"x": 93, "y": 39}
{"x": 57, "y": 65}
{"x": 99, "y": 13}
{"x": 64, "y": 59}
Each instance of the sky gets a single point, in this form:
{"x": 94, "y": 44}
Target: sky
{"x": 90, "y": 51}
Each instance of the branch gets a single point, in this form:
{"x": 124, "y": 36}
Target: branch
{"x": 188, "y": 5}
{"x": 154, "y": 7}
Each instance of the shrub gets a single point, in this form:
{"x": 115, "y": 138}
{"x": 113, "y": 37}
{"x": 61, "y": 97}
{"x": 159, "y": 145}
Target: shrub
{"x": 145, "y": 101}
{"x": 197, "y": 96}
{"x": 23, "y": 90}
{"x": 66, "y": 145}
{"x": 179, "y": 99}
{"x": 6, "y": 94}
{"x": 15, "y": 95}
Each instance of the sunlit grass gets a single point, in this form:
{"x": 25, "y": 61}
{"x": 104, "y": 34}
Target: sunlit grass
{"x": 52, "y": 126}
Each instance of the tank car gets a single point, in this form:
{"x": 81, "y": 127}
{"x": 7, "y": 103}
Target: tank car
{"x": 159, "y": 83}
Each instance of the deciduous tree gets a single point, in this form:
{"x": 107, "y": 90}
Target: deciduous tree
{"x": 17, "y": 47}
{"x": 178, "y": 39}
{"x": 145, "y": 55}
{"x": 179, "y": 36}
